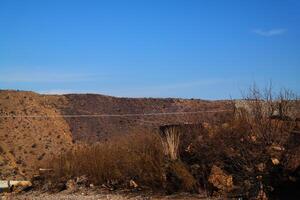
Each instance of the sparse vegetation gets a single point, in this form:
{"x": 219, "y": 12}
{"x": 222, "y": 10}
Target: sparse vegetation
{"x": 243, "y": 155}
{"x": 115, "y": 162}
{"x": 250, "y": 151}
{"x": 252, "y": 146}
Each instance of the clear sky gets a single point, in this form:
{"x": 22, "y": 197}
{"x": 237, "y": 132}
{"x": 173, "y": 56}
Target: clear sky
{"x": 209, "y": 49}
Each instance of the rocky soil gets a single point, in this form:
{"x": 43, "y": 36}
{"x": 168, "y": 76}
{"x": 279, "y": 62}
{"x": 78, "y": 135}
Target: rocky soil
{"x": 100, "y": 195}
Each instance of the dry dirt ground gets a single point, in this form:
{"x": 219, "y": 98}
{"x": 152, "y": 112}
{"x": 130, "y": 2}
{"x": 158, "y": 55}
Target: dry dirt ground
{"x": 99, "y": 196}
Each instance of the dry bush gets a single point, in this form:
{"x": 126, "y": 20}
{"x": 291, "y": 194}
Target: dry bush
{"x": 179, "y": 178}
{"x": 268, "y": 115}
{"x": 252, "y": 146}
{"x": 115, "y": 162}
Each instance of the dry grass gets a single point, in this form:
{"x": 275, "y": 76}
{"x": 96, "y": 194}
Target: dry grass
{"x": 170, "y": 139}
{"x": 115, "y": 162}
{"x": 252, "y": 147}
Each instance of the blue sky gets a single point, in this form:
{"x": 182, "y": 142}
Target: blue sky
{"x": 154, "y": 48}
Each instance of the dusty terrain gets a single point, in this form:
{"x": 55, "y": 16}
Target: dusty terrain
{"x": 35, "y": 127}
{"x": 91, "y": 195}
{"x": 25, "y": 142}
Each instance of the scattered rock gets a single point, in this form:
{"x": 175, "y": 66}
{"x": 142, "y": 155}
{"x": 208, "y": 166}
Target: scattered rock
{"x": 219, "y": 179}
{"x": 71, "y": 186}
{"x": 17, "y": 186}
{"x": 133, "y": 184}
{"x": 275, "y": 161}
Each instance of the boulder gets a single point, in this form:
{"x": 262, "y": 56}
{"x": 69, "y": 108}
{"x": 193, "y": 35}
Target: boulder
{"x": 219, "y": 179}
{"x": 275, "y": 161}
{"x": 133, "y": 184}
{"x": 71, "y": 185}
{"x": 16, "y": 186}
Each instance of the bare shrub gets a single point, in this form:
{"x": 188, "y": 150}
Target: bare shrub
{"x": 268, "y": 115}
{"x": 252, "y": 146}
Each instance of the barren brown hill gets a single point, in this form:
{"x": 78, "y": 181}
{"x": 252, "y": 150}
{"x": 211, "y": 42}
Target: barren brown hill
{"x": 25, "y": 142}
{"x": 34, "y": 127}
{"x": 127, "y": 114}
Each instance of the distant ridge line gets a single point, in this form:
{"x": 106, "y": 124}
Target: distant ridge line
{"x": 111, "y": 115}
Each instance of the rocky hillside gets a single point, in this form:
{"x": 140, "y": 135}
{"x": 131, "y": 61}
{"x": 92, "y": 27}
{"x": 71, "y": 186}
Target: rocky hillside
{"x": 34, "y": 127}
{"x": 95, "y": 128}
{"x": 26, "y": 142}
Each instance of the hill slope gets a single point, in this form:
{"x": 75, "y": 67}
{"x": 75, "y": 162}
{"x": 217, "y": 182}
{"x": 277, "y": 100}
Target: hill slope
{"x": 95, "y": 128}
{"x": 26, "y": 141}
